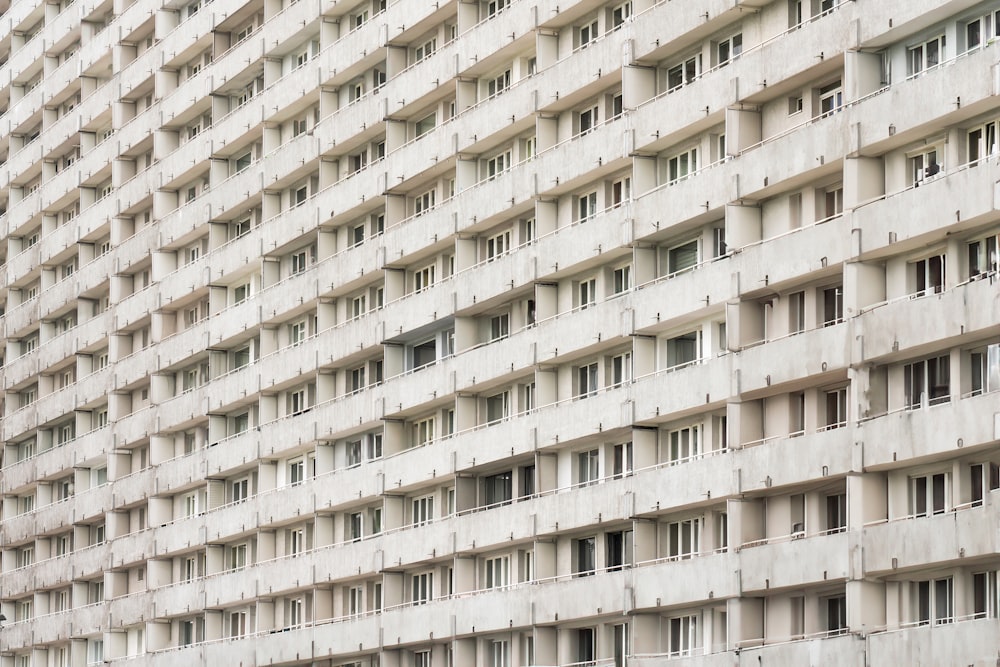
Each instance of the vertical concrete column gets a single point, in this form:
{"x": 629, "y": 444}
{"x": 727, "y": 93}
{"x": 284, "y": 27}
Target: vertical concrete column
{"x": 863, "y": 74}
{"x": 743, "y": 225}
{"x": 638, "y": 85}
{"x": 867, "y": 603}
{"x": 864, "y": 180}
{"x": 864, "y": 285}
{"x": 743, "y": 129}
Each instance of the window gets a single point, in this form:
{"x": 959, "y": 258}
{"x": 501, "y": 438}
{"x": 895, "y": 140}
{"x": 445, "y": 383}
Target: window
{"x": 243, "y": 161}
{"x": 930, "y": 494}
{"x": 302, "y": 57}
{"x": 684, "y": 443}
{"x": 925, "y": 55}
{"x": 375, "y": 447}
{"x": 622, "y": 279}
{"x": 355, "y": 600}
{"x": 527, "y": 565}
{"x": 621, "y": 191}
{"x": 25, "y": 556}
{"x": 587, "y": 293}
{"x": 529, "y": 397}
{"x": 586, "y": 206}
{"x": 237, "y": 556}
{"x": 498, "y": 84}
{"x": 425, "y": 125}
{"x": 932, "y": 601}
{"x": 191, "y": 631}
{"x": 240, "y": 293}
{"x": 796, "y": 312}
{"x": 192, "y": 316}
{"x": 425, "y": 49}
{"x": 831, "y": 98}
{"x": 497, "y": 572}
{"x": 190, "y": 504}
{"x": 794, "y": 104}
{"x": 298, "y": 402}
{"x": 684, "y": 538}
{"x": 985, "y": 601}
{"x": 357, "y": 162}
{"x": 983, "y": 257}
{"x": 424, "y": 202}
{"x": 585, "y": 553}
{"x": 297, "y": 332}
{"x": 684, "y": 349}
{"x": 982, "y": 140}
{"x": 498, "y": 164}
{"x": 985, "y": 369}
{"x": 621, "y": 13}
{"x": 357, "y": 235}
{"x": 729, "y": 48}
{"x": 239, "y": 490}
{"x": 494, "y": 6}
{"x": 498, "y": 488}
{"x": 682, "y": 257}
{"x": 621, "y": 456}
{"x": 239, "y": 228}
{"x": 528, "y": 146}
{"x": 836, "y": 408}
{"x": 588, "y": 466}
{"x": 684, "y": 72}
{"x": 243, "y": 33}
{"x": 423, "y": 510}
{"x": 296, "y": 471}
{"x": 682, "y": 165}
{"x": 241, "y": 423}
{"x": 423, "y": 431}
{"x": 619, "y": 549}
{"x": 833, "y": 305}
{"x": 588, "y": 119}
{"x": 422, "y": 589}
{"x": 981, "y": 30}
{"x": 299, "y": 126}
{"x": 25, "y": 450}
{"x": 924, "y": 165}
{"x": 621, "y": 368}
{"x": 684, "y": 638}
{"x": 95, "y": 651}
{"x": 296, "y": 541}
{"x": 499, "y": 653}
{"x": 299, "y": 262}
{"x": 587, "y": 33}
{"x": 242, "y": 357}
{"x": 300, "y": 195}
{"x": 353, "y": 453}
{"x": 357, "y": 379}
{"x": 498, "y": 244}
{"x": 497, "y": 407}
{"x": 423, "y": 278}
{"x": 586, "y": 383}
{"x": 926, "y": 381}
{"x": 928, "y": 275}
{"x": 358, "y": 306}
{"x": 836, "y": 513}
{"x": 237, "y": 623}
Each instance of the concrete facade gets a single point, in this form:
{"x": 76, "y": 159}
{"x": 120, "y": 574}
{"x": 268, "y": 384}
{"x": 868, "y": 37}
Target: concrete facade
{"x": 500, "y": 333}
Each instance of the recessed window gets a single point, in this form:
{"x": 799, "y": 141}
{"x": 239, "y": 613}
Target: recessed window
{"x": 684, "y": 72}
{"x": 925, "y": 55}
{"x": 729, "y": 48}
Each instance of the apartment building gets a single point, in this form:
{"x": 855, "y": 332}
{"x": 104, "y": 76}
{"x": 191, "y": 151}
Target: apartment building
{"x": 499, "y": 333}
